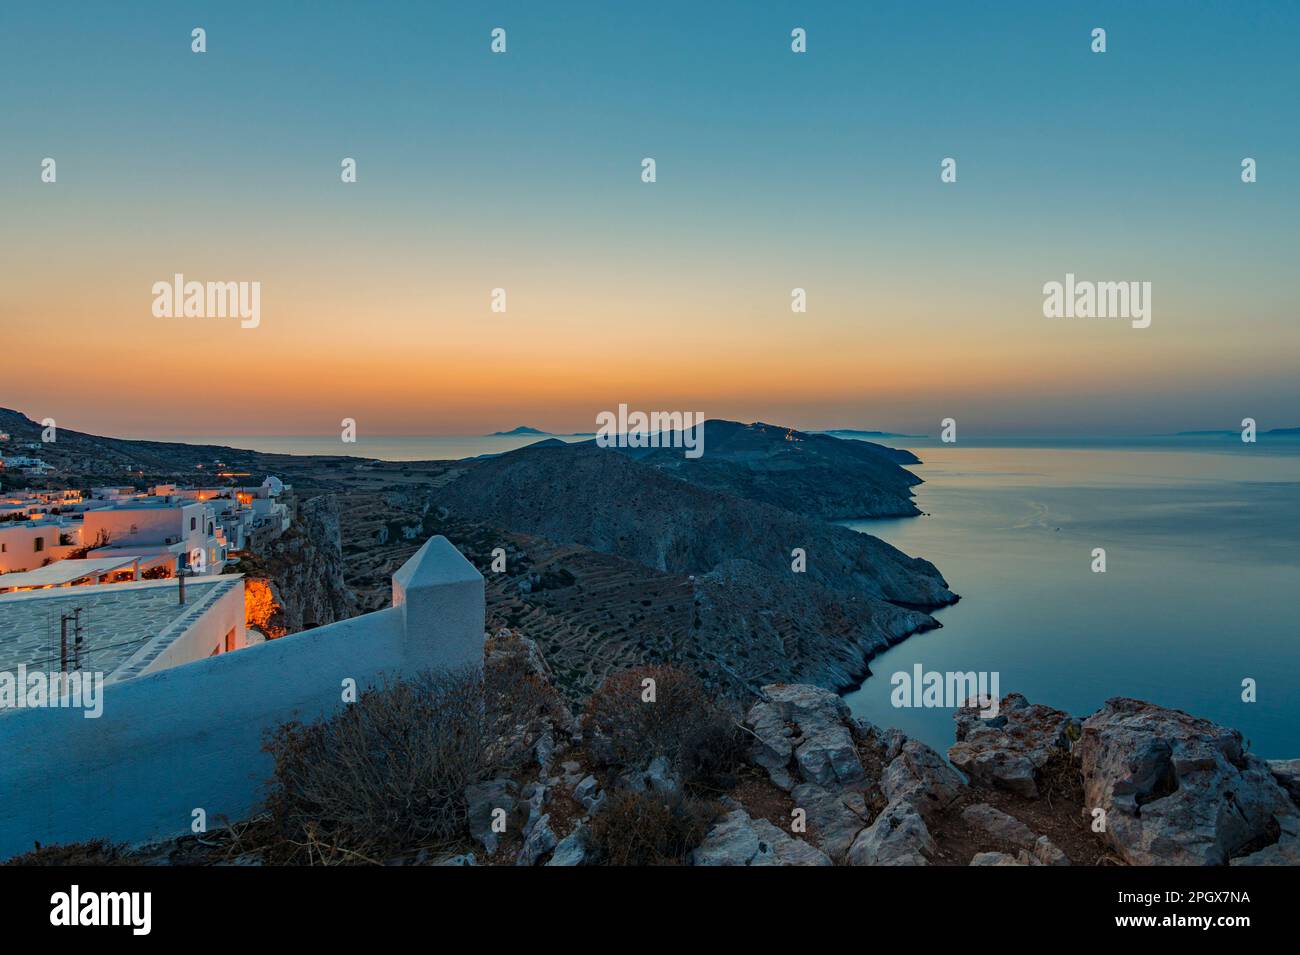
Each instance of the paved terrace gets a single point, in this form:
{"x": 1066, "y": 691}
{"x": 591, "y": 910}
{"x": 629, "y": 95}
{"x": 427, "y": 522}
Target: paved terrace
{"x": 124, "y": 626}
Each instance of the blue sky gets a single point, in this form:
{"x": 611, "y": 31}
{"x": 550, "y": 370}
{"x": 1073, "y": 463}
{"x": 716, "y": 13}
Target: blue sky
{"x": 775, "y": 170}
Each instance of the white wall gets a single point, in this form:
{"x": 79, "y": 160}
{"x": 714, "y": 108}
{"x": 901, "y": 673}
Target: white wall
{"x": 190, "y": 737}
{"x": 152, "y": 525}
{"x": 19, "y": 545}
{"x": 226, "y": 614}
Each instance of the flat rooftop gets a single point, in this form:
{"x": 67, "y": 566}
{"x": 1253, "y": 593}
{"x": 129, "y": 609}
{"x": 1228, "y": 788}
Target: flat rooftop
{"x": 117, "y": 620}
{"x": 66, "y": 571}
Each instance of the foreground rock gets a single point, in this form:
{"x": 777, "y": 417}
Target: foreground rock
{"x": 1178, "y": 790}
{"x": 920, "y": 776}
{"x": 898, "y": 837}
{"x": 1287, "y": 773}
{"x": 738, "y": 840}
{"x": 1010, "y": 750}
{"x": 835, "y": 818}
{"x": 803, "y": 732}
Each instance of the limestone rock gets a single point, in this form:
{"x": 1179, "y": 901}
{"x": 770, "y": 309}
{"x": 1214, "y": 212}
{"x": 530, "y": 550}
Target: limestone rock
{"x": 919, "y": 775}
{"x": 730, "y": 842}
{"x": 739, "y": 840}
{"x": 1178, "y": 790}
{"x": 571, "y": 850}
{"x": 1008, "y": 751}
{"x": 897, "y": 837}
{"x": 540, "y": 840}
{"x": 481, "y": 799}
{"x": 834, "y": 818}
{"x": 1047, "y": 852}
{"x": 589, "y": 794}
{"x": 1287, "y": 774}
{"x": 780, "y": 848}
{"x": 811, "y": 725}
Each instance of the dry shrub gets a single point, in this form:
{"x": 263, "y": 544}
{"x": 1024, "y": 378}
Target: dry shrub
{"x": 388, "y": 773}
{"x": 91, "y": 852}
{"x": 521, "y": 702}
{"x": 712, "y": 751}
{"x": 636, "y": 828}
{"x": 384, "y": 774}
{"x": 698, "y": 736}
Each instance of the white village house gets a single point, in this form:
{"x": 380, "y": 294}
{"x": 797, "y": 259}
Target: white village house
{"x": 188, "y": 698}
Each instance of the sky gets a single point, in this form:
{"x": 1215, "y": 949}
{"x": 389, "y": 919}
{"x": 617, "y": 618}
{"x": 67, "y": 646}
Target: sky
{"x": 775, "y": 171}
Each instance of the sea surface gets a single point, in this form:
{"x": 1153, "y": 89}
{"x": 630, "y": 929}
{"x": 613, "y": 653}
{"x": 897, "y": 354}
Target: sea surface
{"x": 1201, "y": 589}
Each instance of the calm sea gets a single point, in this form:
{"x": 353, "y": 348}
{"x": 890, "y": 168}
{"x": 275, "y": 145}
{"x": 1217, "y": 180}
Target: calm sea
{"x": 1201, "y": 589}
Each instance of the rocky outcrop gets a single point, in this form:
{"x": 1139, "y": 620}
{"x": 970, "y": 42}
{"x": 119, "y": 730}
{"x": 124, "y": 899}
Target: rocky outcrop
{"x": 835, "y": 817}
{"x": 802, "y": 732}
{"x": 482, "y": 801}
{"x": 1010, "y": 750}
{"x": 1287, "y": 773}
{"x": 1178, "y": 790}
{"x": 304, "y": 568}
{"x": 920, "y": 776}
{"x": 739, "y": 840}
{"x": 897, "y": 837}
{"x": 571, "y": 850}
{"x": 809, "y": 744}
{"x": 540, "y": 840}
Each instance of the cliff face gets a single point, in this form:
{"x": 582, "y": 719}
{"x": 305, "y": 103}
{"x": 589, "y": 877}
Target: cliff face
{"x": 304, "y": 572}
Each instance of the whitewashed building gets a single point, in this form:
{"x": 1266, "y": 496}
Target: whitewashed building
{"x": 181, "y": 730}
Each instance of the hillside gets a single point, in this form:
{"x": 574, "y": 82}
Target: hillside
{"x": 814, "y": 474}
{"x": 605, "y": 500}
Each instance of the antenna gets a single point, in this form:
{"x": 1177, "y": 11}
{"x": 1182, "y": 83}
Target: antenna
{"x": 77, "y": 640}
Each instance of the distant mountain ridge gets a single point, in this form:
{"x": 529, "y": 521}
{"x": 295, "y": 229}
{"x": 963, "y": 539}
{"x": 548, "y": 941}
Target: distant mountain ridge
{"x": 92, "y": 456}
{"x": 522, "y": 429}
{"x": 1229, "y": 432}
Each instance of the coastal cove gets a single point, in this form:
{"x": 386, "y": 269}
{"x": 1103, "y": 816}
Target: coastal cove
{"x": 1203, "y": 566}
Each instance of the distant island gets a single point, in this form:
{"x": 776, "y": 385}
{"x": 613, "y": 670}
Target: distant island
{"x": 1233, "y": 433}
{"x": 522, "y": 429}
{"x": 871, "y": 434}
